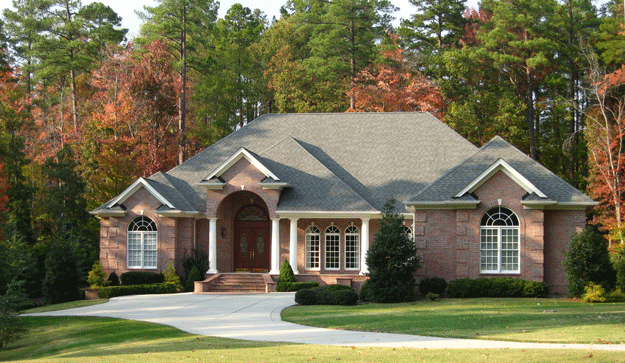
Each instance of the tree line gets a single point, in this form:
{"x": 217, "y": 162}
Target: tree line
{"x": 84, "y": 110}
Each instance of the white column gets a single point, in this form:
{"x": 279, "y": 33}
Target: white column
{"x": 275, "y": 246}
{"x": 293, "y": 246}
{"x": 212, "y": 247}
{"x": 364, "y": 246}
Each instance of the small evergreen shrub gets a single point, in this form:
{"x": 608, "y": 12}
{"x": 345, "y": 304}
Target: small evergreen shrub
{"x": 194, "y": 276}
{"x": 197, "y": 259}
{"x": 436, "y": 285}
{"x": 113, "y": 279}
{"x": 11, "y": 325}
{"x": 286, "y": 277}
{"x": 124, "y": 290}
{"x": 170, "y": 276}
{"x": 496, "y": 287}
{"x": 588, "y": 260}
{"x": 97, "y": 276}
{"x": 141, "y": 278}
{"x": 364, "y": 292}
{"x": 327, "y": 295}
{"x": 617, "y": 256}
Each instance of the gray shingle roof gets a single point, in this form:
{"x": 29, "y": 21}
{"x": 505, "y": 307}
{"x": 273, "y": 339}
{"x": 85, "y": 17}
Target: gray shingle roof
{"x": 454, "y": 181}
{"x": 355, "y": 162}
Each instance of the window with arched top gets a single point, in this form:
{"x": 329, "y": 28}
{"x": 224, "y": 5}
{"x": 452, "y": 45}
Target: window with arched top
{"x": 312, "y": 249}
{"x": 333, "y": 248}
{"x": 407, "y": 231}
{"x": 252, "y": 213}
{"x": 499, "y": 242}
{"x": 142, "y": 244}
{"x": 352, "y": 248}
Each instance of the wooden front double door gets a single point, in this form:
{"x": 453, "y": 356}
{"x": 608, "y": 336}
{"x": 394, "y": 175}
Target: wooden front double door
{"x": 252, "y": 246}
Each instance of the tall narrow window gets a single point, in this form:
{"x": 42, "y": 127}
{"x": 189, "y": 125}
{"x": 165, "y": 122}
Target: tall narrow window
{"x": 499, "y": 242}
{"x": 142, "y": 243}
{"x": 352, "y": 248}
{"x": 333, "y": 248}
{"x": 313, "y": 236}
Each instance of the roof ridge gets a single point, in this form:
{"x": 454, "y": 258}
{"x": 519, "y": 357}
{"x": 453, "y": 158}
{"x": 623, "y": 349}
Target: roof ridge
{"x": 332, "y": 173}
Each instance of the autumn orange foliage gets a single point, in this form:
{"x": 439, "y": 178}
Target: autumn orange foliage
{"x": 391, "y": 86}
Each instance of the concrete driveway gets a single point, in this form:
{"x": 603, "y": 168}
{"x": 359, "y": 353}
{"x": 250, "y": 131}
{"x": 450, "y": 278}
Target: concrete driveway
{"x": 257, "y": 317}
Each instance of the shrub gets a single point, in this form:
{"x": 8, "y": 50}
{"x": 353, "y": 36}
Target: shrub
{"x": 170, "y": 276}
{"x": 197, "y": 259}
{"x": 286, "y": 277}
{"x": 496, "y": 287}
{"x": 594, "y": 293}
{"x": 364, "y": 292}
{"x": 97, "y": 276}
{"x": 62, "y": 280}
{"x": 327, "y": 295}
{"x": 194, "y": 276}
{"x": 616, "y": 295}
{"x": 588, "y": 260}
{"x": 617, "y": 256}
{"x": 436, "y": 285}
{"x": 432, "y": 296}
{"x": 141, "y": 278}
{"x": 11, "y": 326}
{"x": 113, "y": 291}
{"x": 392, "y": 260}
{"x": 296, "y": 286}
{"x": 113, "y": 279}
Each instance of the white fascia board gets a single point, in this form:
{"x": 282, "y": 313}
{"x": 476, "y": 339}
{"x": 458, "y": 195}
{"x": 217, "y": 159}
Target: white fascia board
{"x": 448, "y": 204}
{"x": 136, "y": 186}
{"x": 329, "y": 214}
{"x": 105, "y": 213}
{"x": 500, "y": 164}
{"x": 567, "y": 206}
{"x": 180, "y": 214}
{"x": 211, "y": 185}
{"x": 274, "y": 186}
{"x": 242, "y": 153}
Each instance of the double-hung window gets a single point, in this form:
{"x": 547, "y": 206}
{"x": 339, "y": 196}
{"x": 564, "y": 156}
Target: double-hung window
{"x": 333, "y": 248}
{"x": 142, "y": 243}
{"x": 499, "y": 242}
{"x": 313, "y": 245}
{"x": 352, "y": 248}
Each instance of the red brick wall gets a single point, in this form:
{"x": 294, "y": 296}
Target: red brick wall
{"x": 559, "y": 227}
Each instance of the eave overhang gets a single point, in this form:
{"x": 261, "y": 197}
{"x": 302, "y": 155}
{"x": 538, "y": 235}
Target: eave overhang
{"x": 330, "y": 214}
{"x": 447, "y": 204}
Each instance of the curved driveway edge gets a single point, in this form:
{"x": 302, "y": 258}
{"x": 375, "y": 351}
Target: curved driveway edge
{"x": 257, "y": 317}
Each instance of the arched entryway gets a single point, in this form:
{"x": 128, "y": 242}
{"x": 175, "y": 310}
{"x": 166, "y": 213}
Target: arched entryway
{"x": 252, "y": 239}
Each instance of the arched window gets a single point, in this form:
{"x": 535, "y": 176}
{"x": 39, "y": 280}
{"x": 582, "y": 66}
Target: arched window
{"x": 352, "y": 248}
{"x": 333, "y": 248}
{"x": 313, "y": 236}
{"x": 142, "y": 243}
{"x": 407, "y": 231}
{"x": 252, "y": 213}
{"x": 499, "y": 242}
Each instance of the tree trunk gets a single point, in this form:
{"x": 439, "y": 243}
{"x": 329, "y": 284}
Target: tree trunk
{"x": 182, "y": 112}
{"x": 529, "y": 114}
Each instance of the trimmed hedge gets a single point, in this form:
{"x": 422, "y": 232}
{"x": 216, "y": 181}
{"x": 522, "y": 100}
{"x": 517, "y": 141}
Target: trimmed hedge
{"x": 327, "y": 295}
{"x": 436, "y": 285}
{"x": 496, "y": 287}
{"x": 141, "y": 278}
{"x": 113, "y": 291}
{"x": 297, "y": 286}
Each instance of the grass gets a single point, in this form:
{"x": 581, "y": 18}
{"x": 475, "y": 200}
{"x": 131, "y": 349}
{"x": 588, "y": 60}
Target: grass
{"x": 522, "y": 320}
{"x": 64, "y": 306}
{"x": 80, "y": 339}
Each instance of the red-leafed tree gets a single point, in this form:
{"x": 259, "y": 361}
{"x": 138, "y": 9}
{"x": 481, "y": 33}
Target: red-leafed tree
{"x": 391, "y": 86}
{"x": 133, "y": 131}
{"x": 605, "y": 136}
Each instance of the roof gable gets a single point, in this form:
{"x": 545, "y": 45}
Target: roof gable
{"x": 240, "y": 154}
{"x": 139, "y": 183}
{"x": 501, "y": 165}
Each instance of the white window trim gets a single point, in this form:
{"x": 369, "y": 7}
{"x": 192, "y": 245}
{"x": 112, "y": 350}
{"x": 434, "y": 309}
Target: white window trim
{"x": 142, "y": 235}
{"x": 516, "y": 228}
{"x": 357, "y": 236}
{"x": 325, "y": 248}
{"x": 307, "y": 252}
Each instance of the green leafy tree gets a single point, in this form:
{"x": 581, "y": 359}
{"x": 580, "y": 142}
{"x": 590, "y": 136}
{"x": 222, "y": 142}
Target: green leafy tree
{"x": 588, "y": 260}
{"x": 392, "y": 260}
{"x": 62, "y": 280}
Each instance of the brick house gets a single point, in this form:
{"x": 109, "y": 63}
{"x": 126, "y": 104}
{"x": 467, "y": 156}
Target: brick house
{"x": 309, "y": 188}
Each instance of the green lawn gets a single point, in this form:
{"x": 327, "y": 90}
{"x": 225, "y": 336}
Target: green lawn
{"x": 523, "y": 320}
{"x": 79, "y": 339}
{"x": 64, "y": 306}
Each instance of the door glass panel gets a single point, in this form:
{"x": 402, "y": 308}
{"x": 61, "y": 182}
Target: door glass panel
{"x": 260, "y": 245}
{"x": 243, "y": 244}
